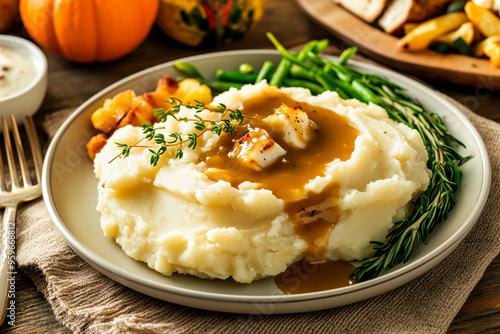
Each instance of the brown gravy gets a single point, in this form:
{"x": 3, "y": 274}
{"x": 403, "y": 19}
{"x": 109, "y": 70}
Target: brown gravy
{"x": 286, "y": 178}
{"x": 308, "y": 276}
{"x": 333, "y": 139}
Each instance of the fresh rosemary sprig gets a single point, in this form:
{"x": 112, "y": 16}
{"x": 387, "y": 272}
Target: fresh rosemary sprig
{"x": 431, "y": 207}
{"x": 175, "y": 139}
{"x": 434, "y": 205}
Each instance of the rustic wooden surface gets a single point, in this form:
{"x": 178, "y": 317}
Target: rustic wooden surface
{"x": 71, "y": 84}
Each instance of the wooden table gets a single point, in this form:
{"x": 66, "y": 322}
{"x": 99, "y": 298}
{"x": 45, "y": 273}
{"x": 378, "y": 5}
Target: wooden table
{"x": 71, "y": 84}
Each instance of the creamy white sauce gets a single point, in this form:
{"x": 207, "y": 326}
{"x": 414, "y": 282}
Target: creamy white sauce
{"x": 16, "y": 71}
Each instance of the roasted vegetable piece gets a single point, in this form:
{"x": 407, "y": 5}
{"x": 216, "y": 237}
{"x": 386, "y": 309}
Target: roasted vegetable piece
{"x": 106, "y": 118}
{"x": 479, "y": 47}
{"x": 165, "y": 88}
{"x": 487, "y": 22}
{"x": 492, "y": 51}
{"x": 95, "y": 144}
{"x": 408, "y": 27}
{"x": 493, "y": 5}
{"x": 127, "y": 108}
{"x": 465, "y": 32}
{"x": 140, "y": 113}
{"x": 422, "y": 36}
{"x": 190, "y": 91}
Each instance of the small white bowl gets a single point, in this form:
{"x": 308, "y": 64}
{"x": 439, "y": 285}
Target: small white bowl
{"x": 26, "y": 101}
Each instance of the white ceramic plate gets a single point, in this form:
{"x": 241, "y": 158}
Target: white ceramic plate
{"x": 69, "y": 190}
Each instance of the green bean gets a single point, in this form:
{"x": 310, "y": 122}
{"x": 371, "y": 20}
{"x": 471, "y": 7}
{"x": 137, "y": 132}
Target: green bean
{"x": 376, "y": 80}
{"x": 410, "y": 105}
{"x": 344, "y": 76}
{"x": 264, "y": 72}
{"x": 378, "y": 90}
{"x": 222, "y": 86}
{"x": 300, "y": 73}
{"x": 235, "y": 76}
{"x": 280, "y": 73}
{"x": 315, "y": 59}
{"x": 339, "y": 71}
{"x": 315, "y": 89}
{"x": 287, "y": 55}
{"x": 347, "y": 54}
{"x": 366, "y": 94}
{"x": 344, "y": 90}
{"x": 321, "y": 45}
{"x": 325, "y": 84}
{"x": 326, "y": 81}
{"x": 330, "y": 84}
{"x": 309, "y": 47}
{"x": 348, "y": 88}
{"x": 245, "y": 68}
{"x": 342, "y": 70}
{"x": 235, "y": 79}
{"x": 188, "y": 69}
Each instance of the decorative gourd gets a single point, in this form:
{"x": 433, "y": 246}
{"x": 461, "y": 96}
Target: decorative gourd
{"x": 89, "y": 30}
{"x": 208, "y": 22}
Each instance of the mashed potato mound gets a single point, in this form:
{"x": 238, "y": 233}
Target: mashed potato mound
{"x": 176, "y": 219}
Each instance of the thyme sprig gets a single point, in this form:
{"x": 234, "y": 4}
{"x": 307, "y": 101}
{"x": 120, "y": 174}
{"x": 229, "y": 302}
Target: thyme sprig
{"x": 234, "y": 117}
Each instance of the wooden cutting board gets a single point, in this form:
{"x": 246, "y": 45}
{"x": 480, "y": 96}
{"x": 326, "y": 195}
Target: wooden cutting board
{"x": 380, "y": 46}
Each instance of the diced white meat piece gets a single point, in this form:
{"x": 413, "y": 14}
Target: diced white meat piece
{"x": 494, "y": 5}
{"x": 257, "y": 150}
{"x": 399, "y": 12}
{"x": 294, "y": 123}
{"x": 368, "y": 10}
{"x": 484, "y": 3}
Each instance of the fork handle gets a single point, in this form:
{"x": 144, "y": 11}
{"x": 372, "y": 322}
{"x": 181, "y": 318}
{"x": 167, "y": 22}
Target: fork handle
{"x": 8, "y": 262}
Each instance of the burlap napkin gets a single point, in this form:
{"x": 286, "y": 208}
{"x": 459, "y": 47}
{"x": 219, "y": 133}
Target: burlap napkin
{"x": 86, "y": 301}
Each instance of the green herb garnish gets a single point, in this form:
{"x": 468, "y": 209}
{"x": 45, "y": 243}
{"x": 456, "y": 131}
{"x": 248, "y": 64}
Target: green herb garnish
{"x": 175, "y": 139}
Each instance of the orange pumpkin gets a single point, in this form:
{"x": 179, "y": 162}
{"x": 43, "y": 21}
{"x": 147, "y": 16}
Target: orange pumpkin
{"x": 88, "y": 30}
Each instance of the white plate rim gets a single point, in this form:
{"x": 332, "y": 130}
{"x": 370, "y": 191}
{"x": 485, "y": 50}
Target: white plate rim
{"x": 110, "y": 270}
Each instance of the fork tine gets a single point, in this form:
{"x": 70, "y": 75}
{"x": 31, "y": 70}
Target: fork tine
{"x": 20, "y": 153}
{"x": 2, "y": 174}
{"x": 10, "y": 154}
{"x": 36, "y": 151}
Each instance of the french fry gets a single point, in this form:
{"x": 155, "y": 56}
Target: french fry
{"x": 479, "y": 47}
{"x": 487, "y": 22}
{"x": 492, "y": 51}
{"x": 478, "y": 37}
{"x": 422, "y": 36}
{"x": 408, "y": 27}
{"x": 466, "y": 32}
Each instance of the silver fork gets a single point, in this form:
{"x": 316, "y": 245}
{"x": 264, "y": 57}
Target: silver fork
{"x": 23, "y": 191}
